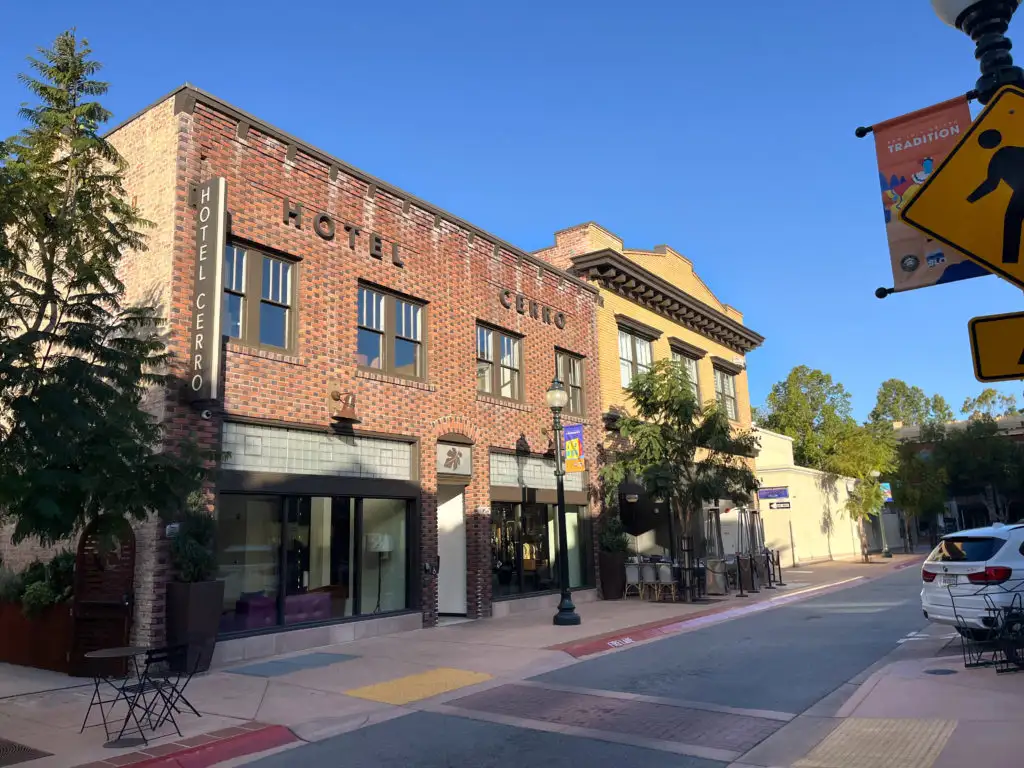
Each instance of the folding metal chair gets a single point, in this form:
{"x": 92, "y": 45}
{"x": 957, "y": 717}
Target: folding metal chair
{"x": 166, "y": 676}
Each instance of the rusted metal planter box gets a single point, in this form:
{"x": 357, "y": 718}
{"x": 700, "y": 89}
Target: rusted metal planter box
{"x": 43, "y": 642}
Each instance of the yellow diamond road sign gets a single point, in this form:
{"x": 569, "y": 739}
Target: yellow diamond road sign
{"x": 997, "y": 346}
{"x": 974, "y": 201}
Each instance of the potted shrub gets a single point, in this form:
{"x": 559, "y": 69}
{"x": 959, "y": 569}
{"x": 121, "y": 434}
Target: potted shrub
{"x": 195, "y": 599}
{"x": 612, "y": 558}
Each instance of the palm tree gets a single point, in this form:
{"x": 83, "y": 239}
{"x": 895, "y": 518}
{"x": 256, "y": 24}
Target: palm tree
{"x": 683, "y": 451}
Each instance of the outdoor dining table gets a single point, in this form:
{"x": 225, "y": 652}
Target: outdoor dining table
{"x": 121, "y": 685}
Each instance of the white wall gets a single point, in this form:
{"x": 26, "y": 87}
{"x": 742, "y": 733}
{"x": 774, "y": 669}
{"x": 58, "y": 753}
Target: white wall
{"x": 816, "y": 526}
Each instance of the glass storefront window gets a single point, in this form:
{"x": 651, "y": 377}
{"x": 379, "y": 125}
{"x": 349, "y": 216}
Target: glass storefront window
{"x": 318, "y": 559}
{"x": 385, "y": 556}
{"x": 306, "y": 559}
{"x": 506, "y": 553}
{"x": 524, "y": 548}
{"x": 248, "y": 561}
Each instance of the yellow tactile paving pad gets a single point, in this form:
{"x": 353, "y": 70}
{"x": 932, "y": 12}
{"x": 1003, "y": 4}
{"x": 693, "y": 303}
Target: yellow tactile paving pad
{"x": 422, "y": 685}
{"x": 866, "y": 743}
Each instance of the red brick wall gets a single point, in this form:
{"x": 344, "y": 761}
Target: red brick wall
{"x": 460, "y": 277}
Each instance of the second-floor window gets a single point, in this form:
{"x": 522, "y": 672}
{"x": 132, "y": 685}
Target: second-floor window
{"x": 725, "y": 392}
{"x": 259, "y": 296}
{"x": 570, "y": 371}
{"x": 692, "y": 371}
{"x": 499, "y": 367}
{"x": 389, "y": 336}
{"x": 635, "y": 356}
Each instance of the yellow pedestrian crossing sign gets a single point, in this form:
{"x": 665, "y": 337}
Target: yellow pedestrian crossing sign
{"x": 997, "y": 346}
{"x": 974, "y": 201}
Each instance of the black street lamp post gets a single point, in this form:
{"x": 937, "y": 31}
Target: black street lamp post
{"x": 557, "y": 398}
{"x": 985, "y": 22}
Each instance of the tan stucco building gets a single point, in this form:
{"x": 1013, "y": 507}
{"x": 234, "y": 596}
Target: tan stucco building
{"x": 654, "y": 306}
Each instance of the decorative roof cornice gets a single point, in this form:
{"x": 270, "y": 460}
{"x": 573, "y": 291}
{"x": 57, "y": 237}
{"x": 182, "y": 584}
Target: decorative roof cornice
{"x": 614, "y": 272}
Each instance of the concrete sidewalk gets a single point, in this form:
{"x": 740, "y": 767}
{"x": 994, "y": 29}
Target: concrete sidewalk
{"x": 343, "y": 687}
{"x": 912, "y": 713}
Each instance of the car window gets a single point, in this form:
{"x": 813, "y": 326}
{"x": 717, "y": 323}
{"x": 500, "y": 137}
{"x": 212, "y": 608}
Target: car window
{"x": 966, "y": 549}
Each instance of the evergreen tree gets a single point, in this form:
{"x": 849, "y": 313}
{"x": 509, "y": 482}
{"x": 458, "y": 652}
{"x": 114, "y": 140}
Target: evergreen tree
{"x": 75, "y": 361}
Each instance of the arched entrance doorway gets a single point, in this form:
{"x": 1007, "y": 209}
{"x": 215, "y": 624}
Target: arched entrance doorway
{"x": 104, "y": 598}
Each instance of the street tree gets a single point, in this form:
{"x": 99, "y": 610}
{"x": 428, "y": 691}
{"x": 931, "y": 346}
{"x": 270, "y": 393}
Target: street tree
{"x": 684, "y": 452}
{"x": 979, "y": 460}
{"x": 990, "y": 403}
{"x": 76, "y": 444}
{"x": 811, "y": 408}
{"x": 920, "y": 486}
{"x": 864, "y": 455}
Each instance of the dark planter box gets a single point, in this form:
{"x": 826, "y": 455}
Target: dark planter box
{"x": 43, "y": 642}
{"x": 193, "y": 617}
{"x": 613, "y": 574}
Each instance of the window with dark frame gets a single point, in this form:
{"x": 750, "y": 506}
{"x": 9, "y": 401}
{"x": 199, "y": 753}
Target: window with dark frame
{"x": 635, "y": 355}
{"x": 725, "y": 392}
{"x": 499, "y": 367}
{"x": 389, "y": 335}
{"x": 266, "y": 318}
{"x": 569, "y": 368}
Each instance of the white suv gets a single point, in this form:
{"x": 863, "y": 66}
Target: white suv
{"x": 974, "y": 570}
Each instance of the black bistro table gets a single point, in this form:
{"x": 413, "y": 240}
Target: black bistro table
{"x": 125, "y": 686}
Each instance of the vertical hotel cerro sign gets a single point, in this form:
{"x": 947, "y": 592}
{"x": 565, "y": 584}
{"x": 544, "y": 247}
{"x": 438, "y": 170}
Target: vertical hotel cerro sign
{"x": 211, "y": 239}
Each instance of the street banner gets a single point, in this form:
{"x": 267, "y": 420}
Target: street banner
{"x": 773, "y": 493}
{"x": 909, "y": 148}
{"x": 887, "y": 492}
{"x": 574, "y": 458}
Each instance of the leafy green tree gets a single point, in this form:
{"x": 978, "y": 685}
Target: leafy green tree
{"x": 812, "y": 409}
{"x": 980, "y": 460}
{"x": 920, "y": 486}
{"x": 75, "y": 362}
{"x": 898, "y": 401}
{"x": 684, "y": 452}
{"x": 990, "y": 403}
{"x": 941, "y": 412}
{"x": 865, "y": 455}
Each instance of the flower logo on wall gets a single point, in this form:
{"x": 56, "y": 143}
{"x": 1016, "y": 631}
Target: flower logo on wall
{"x": 453, "y": 459}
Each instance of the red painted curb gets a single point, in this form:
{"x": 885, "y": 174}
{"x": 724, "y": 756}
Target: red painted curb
{"x": 652, "y": 629}
{"x": 225, "y": 749}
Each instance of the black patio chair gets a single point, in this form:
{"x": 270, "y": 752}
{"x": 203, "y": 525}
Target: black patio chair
{"x": 160, "y": 691}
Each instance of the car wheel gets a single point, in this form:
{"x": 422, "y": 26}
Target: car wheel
{"x": 977, "y": 635}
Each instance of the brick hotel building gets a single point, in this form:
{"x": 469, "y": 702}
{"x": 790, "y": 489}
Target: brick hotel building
{"x": 378, "y": 393}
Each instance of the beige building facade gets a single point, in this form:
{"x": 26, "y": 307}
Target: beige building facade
{"x": 804, "y": 510}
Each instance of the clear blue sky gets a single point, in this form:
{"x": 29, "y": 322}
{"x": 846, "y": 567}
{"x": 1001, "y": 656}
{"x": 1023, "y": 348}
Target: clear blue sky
{"x": 722, "y": 129}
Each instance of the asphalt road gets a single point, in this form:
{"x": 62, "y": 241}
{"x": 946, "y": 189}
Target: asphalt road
{"x": 682, "y": 702}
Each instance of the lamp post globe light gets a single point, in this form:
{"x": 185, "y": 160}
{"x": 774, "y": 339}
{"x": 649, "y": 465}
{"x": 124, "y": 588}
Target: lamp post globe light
{"x": 557, "y": 398}
{"x": 985, "y": 22}
{"x": 886, "y": 552}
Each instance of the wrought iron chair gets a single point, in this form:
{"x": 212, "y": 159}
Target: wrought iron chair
{"x": 160, "y": 692}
